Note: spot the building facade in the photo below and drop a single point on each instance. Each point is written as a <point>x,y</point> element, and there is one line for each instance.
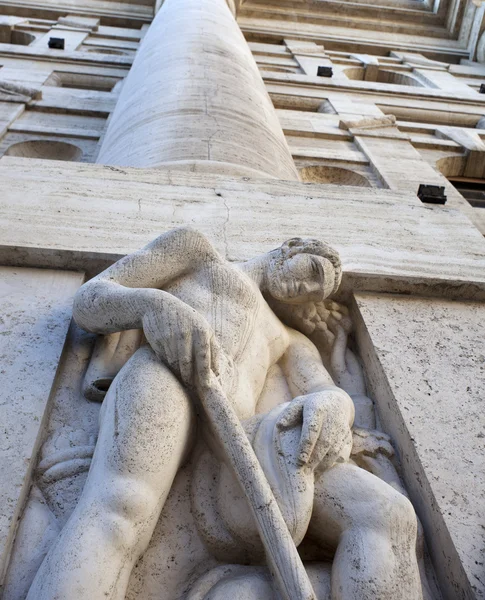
<point>253,121</point>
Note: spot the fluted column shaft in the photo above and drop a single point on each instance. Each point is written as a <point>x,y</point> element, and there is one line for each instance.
<point>194,96</point>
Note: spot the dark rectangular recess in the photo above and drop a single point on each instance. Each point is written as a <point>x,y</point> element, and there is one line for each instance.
<point>432,194</point>
<point>57,43</point>
<point>324,71</point>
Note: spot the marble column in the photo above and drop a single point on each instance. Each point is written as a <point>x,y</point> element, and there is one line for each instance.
<point>194,99</point>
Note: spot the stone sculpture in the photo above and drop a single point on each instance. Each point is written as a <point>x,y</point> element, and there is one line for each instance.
<point>218,330</point>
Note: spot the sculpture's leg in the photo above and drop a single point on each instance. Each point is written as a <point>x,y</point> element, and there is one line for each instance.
<point>146,430</point>
<point>373,528</point>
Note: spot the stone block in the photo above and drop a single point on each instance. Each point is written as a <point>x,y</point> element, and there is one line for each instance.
<point>35,308</point>
<point>103,213</point>
<point>425,362</point>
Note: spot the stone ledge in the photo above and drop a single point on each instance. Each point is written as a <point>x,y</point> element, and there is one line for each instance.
<point>83,216</point>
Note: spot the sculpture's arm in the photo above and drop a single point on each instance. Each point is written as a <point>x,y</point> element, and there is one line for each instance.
<point>306,373</point>
<point>324,411</point>
<point>119,298</point>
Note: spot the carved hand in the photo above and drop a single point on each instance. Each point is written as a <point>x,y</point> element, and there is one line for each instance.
<point>326,436</point>
<point>183,340</point>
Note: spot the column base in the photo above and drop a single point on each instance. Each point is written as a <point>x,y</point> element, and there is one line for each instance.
<point>213,167</point>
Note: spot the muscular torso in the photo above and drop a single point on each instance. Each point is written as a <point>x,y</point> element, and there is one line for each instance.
<point>250,334</point>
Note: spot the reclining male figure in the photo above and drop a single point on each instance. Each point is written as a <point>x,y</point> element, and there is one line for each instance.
<point>200,312</point>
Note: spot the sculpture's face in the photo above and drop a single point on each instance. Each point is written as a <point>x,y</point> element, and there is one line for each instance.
<point>301,277</point>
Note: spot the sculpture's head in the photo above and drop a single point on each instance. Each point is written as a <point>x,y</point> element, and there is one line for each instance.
<point>303,270</point>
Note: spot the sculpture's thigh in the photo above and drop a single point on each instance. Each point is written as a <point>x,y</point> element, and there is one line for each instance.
<point>146,427</point>
<point>348,497</point>
<point>146,430</point>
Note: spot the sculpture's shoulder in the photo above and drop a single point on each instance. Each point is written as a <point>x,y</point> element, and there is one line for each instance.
<point>188,237</point>
<point>302,364</point>
<point>188,232</point>
<point>299,344</point>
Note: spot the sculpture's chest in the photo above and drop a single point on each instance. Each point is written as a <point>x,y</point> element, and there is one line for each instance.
<point>227,298</point>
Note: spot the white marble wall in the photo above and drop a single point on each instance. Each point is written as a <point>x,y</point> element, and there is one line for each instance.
<point>425,362</point>
<point>35,309</point>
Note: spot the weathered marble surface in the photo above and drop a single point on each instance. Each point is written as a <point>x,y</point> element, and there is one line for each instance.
<point>425,361</point>
<point>35,308</point>
<point>266,400</point>
<point>388,241</point>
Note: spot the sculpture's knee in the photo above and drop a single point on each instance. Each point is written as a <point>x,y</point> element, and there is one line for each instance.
<point>253,586</point>
<point>126,512</point>
<point>393,514</point>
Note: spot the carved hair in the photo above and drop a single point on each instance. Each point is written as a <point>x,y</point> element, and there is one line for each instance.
<point>309,318</point>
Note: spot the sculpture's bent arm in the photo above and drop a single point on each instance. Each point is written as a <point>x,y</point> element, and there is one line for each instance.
<point>118,298</point>
<point>324,411</point>
<point>305,372</point>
